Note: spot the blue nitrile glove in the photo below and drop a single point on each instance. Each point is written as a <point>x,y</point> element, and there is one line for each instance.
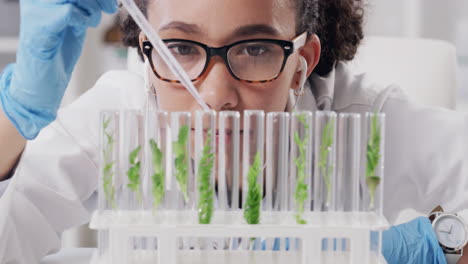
<point>51,38</point>
<point>412,242</point>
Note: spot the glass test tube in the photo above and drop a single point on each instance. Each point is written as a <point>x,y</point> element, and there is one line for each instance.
<point>157,153</point>
<point>372,175</point>
<point>109,124</point>
<point>205,148</point>
<point>252,168</point>
<point>252,159</point>
<point>228,161</point>
<point>300,197</point>
<point>181,183</point>
<point>229,167</point>
<point>347,162</point>
<point>324,161</point>
<point>276,182</point>
<point>276,177</point>
<point>131,159</point>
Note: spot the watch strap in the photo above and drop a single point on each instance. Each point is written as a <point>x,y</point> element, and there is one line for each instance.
<point>464,215</point>
<point>432,214</point>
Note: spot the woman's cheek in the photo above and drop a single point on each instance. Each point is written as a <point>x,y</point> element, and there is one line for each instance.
<point>173,99</point>
<point>271,97</point>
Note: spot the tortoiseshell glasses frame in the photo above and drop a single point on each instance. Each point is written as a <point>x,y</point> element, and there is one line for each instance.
<point>287,47</point>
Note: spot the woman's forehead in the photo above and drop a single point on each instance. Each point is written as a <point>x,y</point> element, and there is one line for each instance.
<point>223,20</point>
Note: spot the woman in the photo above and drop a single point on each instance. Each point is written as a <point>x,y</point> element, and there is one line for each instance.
<point>57,175</point>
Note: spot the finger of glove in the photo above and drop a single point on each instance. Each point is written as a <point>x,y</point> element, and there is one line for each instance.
<point>42,36</point>
<point>91,9</point>
<point>77,19</point>
<point>108,6</point>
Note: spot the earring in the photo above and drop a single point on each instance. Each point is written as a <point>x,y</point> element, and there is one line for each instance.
<point>300,91</point>
<point>303,79</point>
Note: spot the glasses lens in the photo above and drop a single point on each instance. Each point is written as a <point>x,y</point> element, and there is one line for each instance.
<point>191,57</point>
<point>256,61</point>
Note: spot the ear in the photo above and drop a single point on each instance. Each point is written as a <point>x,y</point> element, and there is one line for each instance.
<point>311,52</point>
<point>309,56</point>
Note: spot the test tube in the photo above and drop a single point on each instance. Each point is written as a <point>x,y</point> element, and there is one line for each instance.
<point>205,149</point>
<point>348,162</point>
<point>157,139</point>
<point>324,161</point>
<point>182,182</point>
<point>205,143</point>
<point>347,177</point>
<point>276,180</point>
<point>252,166</point>
<point>109,124</point>
<point>109,127</point>
<point>302,124</point>
<point>228,161</point>
<point>252,161</point>
<point>372,175</point>
<point>277,146</point>
<point>228,167</point>
<point>131,159</point>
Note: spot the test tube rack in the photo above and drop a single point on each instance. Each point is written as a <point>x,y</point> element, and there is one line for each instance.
<point>302,187</point>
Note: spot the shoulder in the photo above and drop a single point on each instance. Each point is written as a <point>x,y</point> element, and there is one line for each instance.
<point>114,88</point>
<point>112,91</point>
<point>356,91</point>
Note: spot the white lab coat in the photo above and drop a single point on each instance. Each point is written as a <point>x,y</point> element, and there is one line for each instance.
<point>426,157</point>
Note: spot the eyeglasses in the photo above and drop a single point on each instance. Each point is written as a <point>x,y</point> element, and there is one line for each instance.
<point>250,61</point>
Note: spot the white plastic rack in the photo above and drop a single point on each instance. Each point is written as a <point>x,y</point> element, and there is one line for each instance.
<point>301,187</point>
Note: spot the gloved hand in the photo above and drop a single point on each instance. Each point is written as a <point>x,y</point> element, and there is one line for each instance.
<point>412,242</point>
<point>51,39</point>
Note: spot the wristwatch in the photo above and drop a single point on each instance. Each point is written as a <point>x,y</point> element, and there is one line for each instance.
<point>451,230</point>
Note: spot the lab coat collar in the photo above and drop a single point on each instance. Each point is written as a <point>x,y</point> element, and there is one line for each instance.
<point>318,93</point>
<point>323,88</point>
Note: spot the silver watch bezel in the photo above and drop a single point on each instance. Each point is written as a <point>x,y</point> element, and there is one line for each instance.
<point>442,215</point>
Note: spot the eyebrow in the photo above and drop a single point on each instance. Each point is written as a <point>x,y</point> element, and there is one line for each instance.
<point>181,26</point>
<point>249,30</point>
<point>243,31</point>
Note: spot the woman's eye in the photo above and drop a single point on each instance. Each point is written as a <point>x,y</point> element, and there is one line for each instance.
<point>183,49</point>
<point>255,50</point>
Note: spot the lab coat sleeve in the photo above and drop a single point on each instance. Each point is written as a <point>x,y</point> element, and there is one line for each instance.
<point>57,172</point>
<point>426,157</point>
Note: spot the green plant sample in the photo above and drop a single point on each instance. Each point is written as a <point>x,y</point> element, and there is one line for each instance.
<point>326,169</point>
<point>181,160</point>
<point>301,192</point>
<point>254,196</point>
<point>158,174</point>
<point>373,158</point>
<point>205,168</point>
<point>134,172</point>
<point>107,171</point>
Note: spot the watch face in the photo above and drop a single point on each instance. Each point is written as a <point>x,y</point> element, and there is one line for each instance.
<point>450,231</point>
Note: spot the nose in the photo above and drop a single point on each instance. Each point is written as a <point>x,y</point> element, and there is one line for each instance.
<point>218,88</point>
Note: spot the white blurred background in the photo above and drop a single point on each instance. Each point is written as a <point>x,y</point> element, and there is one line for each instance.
<point>434,19</point>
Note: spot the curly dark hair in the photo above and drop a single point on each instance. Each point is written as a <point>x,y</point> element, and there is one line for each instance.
<point>337,23</point>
